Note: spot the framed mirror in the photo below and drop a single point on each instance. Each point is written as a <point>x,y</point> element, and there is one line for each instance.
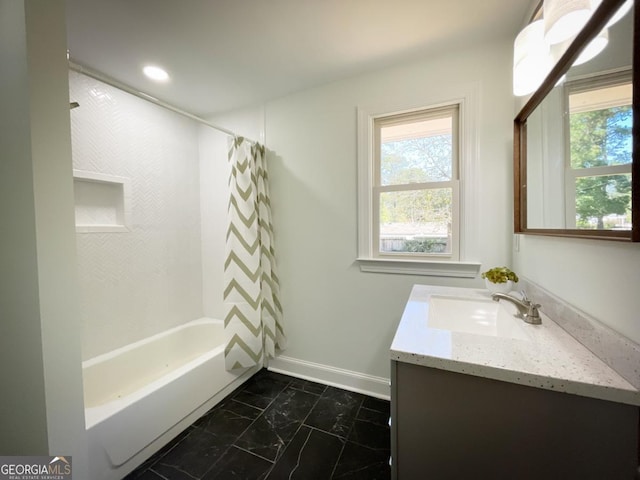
<point>576,138</point>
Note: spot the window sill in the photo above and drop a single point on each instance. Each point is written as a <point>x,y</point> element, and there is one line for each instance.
<point>430,268</point>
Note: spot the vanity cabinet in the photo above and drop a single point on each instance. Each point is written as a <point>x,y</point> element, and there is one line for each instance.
<point>450,425</point>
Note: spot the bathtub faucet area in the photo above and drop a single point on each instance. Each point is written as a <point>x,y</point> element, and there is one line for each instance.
<point>527,310</point>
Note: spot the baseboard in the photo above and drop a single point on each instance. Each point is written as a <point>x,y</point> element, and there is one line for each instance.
<point>336,377</point>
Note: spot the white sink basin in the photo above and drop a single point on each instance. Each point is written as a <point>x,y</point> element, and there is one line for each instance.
<point>478,316</point>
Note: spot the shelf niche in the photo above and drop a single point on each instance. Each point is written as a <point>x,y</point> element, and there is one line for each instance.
<point>102,202</point>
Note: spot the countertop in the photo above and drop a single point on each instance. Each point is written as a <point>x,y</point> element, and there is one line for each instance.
<point>546,357</point>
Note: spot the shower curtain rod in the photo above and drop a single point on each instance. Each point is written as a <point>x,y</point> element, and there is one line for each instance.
<point>76,67</point>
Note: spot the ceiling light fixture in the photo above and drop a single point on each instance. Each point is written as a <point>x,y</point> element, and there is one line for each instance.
<point>563,19</point>
<point>622,11</point>
<point>541,43</point>
<point>595,46</point>
<point>156,73</point>
<point>531,59</point>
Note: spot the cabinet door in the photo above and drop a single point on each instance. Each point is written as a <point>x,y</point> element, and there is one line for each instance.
<point>451,426</point>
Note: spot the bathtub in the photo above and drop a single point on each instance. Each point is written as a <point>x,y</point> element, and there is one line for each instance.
<point>140,396</point>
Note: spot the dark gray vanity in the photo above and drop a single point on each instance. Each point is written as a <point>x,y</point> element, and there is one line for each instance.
<point>513,401</point>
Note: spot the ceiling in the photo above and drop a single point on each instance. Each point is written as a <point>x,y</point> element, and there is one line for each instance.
<point>227,54</point>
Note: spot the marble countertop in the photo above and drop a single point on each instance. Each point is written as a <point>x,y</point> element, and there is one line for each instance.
<point>545,356</point>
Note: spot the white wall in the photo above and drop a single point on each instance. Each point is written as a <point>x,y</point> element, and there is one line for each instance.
<point>598,277</point>
<point>334,314</point>
<point>141,282</point>
<point>41,409</point>
<point>214,177</point>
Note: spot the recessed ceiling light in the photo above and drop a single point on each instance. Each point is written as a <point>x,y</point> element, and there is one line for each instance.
<point>156,73</point>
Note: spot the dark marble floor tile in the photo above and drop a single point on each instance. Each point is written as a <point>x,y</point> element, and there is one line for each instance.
<point>293,403</point>
<point>362,463</point>
<point>267,438</point>
<point>257,401</point>
<point>241,409</point>
<point>377,404</point>
<point>142,469</point>
<point>307,386</point>
<point>148,475</point>
<point>227,425</point>
<point>266,384</point>
<point>237,464</point>
<point>335,411</point>
<point>311,455</point>
<point>373,416</point>
<point>269,434</point>
<point>341,395</point>
<point>281,377</point>
<point>194,455</point>
<point>171,472</point>
<point>370,435</point>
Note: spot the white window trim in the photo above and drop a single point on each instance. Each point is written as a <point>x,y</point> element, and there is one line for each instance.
<point>467,164</point>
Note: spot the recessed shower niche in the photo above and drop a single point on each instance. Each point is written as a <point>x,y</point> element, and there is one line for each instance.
<point>102,202</point>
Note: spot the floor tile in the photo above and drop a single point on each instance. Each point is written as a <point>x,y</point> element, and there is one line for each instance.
<point>377,404</point>
<point>370,435</point>
<point>240,408</point>
<point>266,384</point>
<point>248,398</point>
<point>195,455</point>
<point>335,411</point>
<point>294,403</point>
<point>140,472</point>
<point>373,416</point>
<point>308,429</point>
<point>170,472</point>
<point>307,386</point>
<point>311,455</point>
<point>148,475</point>
<point>268,438</point>
<point>227,425</point>
<point>237,464</point>
<point>361,463</point>
<point>269,434</point>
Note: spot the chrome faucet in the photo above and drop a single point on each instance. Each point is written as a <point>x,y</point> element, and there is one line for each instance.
<point>527,310</point>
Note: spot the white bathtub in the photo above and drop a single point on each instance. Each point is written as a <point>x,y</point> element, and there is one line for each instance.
<point>138,397</point>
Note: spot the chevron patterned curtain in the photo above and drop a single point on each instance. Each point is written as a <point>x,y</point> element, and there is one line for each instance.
<point>253,315</point>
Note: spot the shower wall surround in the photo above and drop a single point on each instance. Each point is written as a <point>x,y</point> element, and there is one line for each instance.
<point>142,281</point>
<point>214,199</point>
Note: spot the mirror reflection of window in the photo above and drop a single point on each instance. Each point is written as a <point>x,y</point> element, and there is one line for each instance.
<point>599,152</point>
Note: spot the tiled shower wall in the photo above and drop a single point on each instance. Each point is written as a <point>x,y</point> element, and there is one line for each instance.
<point>140,282</point>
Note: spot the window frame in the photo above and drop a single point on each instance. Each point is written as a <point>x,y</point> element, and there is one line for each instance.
<point>378,189</point>
<point>580,85</point>
<point>467,226</point>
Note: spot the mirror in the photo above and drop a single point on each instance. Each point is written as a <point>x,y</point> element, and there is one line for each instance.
<point>573,144</point>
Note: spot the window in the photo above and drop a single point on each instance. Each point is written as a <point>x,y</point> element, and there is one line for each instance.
<point>409,191</point>
<point>415,190</point>
<point>598,180</point>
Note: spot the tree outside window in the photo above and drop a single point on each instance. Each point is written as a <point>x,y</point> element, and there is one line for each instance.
<point>600,147</point>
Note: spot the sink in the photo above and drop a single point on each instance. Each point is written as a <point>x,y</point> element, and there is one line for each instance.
<point>478,316</point>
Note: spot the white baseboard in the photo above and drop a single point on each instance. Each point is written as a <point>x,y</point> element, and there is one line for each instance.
<point>336,377</point>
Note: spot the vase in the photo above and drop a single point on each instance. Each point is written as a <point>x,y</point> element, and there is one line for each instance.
<point>498,287</point>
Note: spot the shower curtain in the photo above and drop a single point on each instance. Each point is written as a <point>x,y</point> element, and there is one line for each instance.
<point>253,315</point>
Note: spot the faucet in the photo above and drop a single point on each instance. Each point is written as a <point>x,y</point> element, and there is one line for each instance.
<point>527,310</point>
